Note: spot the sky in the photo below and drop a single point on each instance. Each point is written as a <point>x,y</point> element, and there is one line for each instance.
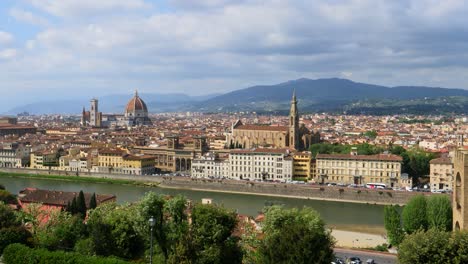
<point>70,49</point>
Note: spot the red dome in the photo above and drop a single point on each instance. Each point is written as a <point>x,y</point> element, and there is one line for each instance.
<point>136,104</point>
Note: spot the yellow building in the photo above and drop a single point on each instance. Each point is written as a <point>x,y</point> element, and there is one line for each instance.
<point>359,169</point>
<point>302,162</point>
<point>177,155</point>
<point>44,160</point>
<point>138,165</point>
<point>110,160</point>
<point>441,174</point>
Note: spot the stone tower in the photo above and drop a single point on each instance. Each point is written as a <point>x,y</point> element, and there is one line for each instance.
<point>294,123</point>
<point>460,192</point>
<point>94,117</point>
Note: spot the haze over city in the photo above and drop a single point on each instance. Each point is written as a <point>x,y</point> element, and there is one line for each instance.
<point>55,49</point>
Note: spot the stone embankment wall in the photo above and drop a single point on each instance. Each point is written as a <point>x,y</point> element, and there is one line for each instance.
<point>303,191</point>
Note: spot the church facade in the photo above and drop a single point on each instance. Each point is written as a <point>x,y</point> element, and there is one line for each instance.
<point>295,136</point>
<point>135,114</point>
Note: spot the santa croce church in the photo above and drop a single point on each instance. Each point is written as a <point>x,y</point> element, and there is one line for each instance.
<point>294,136</point>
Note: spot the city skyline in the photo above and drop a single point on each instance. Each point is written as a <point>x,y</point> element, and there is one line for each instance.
<point>53,49</point>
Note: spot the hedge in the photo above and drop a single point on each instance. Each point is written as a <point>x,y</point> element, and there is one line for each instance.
<point>19,254</point>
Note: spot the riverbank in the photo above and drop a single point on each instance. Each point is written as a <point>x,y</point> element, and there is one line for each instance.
<point>70,178</point>
<point>351,239</point>
<point>295,191</point>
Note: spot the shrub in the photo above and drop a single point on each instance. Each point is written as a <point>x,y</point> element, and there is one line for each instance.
<point>18,254</point>
<point>12,235</point>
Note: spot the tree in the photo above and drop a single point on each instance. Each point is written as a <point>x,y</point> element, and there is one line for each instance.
<point>7,217</point>
<point>114,231</point>
<point>152,205</point>
<point>11,235</point>
<point>92,202</point>
<point>7,197</point>
<point>371,134</point>
<point>414,214</point>
<point>61,231</point>
<point>81,204</point>
<point>392,222</point>
<point>211,234</point>
<point>425,248</point>
<point>439,213</point>
<point>295,236</point>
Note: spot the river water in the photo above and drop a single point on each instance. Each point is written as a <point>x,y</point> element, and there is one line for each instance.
<point>347,216</point>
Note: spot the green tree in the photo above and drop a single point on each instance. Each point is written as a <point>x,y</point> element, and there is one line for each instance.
<point>81,204</point>
<point>425,248</point>
<point>61,231</point>
<point>7,197</point>
<point>295,236</point>
<point>152,205</point>
<point>113,230</point>
<point>7,216</point>
<point>392,221</point>
<point>92,201</point>
<point>14,234</point>
<point>439,213</point>
<point>414,214</point>
<point>371,134</point>
<point>211,234</point>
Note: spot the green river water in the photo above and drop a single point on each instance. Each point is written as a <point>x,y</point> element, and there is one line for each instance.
<point>340,215</point>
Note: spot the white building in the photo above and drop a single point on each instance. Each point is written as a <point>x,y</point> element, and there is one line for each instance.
<point>210,166</point>
<point>261,164</point>
<point>252,164</point>
<point>14,155</point>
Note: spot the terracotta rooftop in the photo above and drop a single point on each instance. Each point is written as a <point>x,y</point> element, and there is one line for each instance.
<point>382,157</point>
<point>263,128</point>
<point>58,198</point>
<point>441,161</point>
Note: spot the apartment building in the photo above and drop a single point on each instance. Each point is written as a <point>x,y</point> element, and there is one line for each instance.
<point>302,163</point>
<point>210,165</point>
<point>359,169</point>
<point>13,155</point>
<point>261,164</point>
<point>441,174</point>
<point>243,164</point>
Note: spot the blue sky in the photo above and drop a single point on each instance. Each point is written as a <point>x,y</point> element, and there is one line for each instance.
<point>53,49</point>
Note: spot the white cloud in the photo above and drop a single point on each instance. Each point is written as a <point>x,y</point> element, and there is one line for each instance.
<point>5,37</point>
<point>7,54</point>
<point>78,8</point>
<point>239,43</point>
<point>28,17</point>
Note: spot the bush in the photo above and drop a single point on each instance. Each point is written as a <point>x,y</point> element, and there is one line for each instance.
<point>12,235</point>
<point>19,254</point>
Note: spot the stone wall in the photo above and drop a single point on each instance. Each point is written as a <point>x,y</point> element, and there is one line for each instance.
<point>304,191</point>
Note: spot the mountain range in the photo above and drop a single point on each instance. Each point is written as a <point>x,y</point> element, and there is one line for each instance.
<point>320,95</point>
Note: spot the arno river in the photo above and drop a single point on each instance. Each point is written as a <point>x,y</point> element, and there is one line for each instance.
<point>346,216</point>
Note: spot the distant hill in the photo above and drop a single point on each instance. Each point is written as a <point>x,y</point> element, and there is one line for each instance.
<point>114,103</point>
<point>325,95</point>
<point>320,95</point>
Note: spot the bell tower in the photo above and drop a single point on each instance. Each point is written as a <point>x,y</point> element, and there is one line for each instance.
<point>294,123</point>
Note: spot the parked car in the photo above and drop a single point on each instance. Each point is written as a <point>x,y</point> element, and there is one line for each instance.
<point>338,261</point>
<point>370,261</point>
<point>353,260</point>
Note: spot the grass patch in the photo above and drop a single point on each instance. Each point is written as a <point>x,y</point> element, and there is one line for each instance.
<point>71,178</point>
<point>381,248</point>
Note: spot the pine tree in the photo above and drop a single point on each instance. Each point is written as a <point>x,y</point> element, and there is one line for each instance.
<point>73,206</point>
<point>81,204</point>
<point>92,202</point>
